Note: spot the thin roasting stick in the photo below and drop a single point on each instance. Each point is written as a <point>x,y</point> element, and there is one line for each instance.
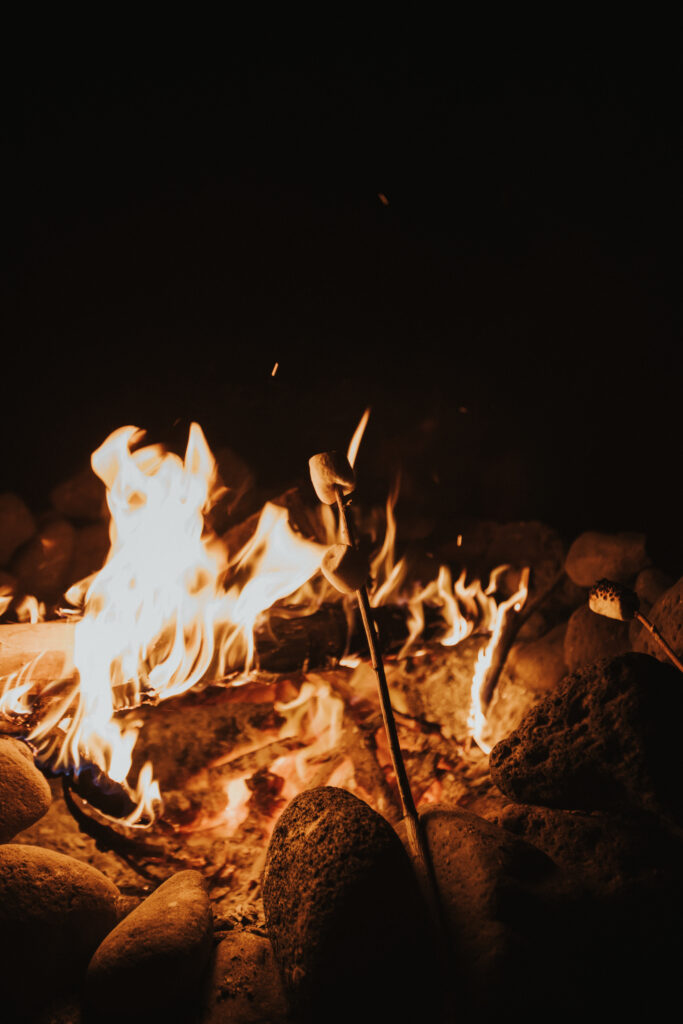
<point>334,480</point>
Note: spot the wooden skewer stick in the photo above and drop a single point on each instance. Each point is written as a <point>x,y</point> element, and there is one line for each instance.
<point>405,793</point>
<point>416,839</point>
<point>657,636</point>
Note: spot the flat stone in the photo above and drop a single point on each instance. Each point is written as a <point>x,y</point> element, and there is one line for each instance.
<point>244,985</point>
<point>344,913</point>
<point>605,739</point>
<point>590,637</point>
<point>667,615</point>
<point>54,912</point>
<point>614,556</point>
<point>24,793</point>
<point>17,525</point>
<point>153,960</point>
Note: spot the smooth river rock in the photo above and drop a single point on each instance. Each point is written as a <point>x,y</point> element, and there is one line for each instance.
<point>590,637</point>
<point>54,912</point>
<point>616,556</point>
<point>151,964</point>
<point>24,793</point>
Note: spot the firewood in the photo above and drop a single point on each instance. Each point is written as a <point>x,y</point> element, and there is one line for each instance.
<point>50,642</point>
<point>285,642</point>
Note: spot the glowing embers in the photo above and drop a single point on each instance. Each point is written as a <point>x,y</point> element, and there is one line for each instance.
<point>301,746</point>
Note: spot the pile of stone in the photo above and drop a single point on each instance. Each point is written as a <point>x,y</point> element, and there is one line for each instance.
<point>568,899</point>
<point>75,950</point>
<point>559,634</point>
<point>571,900</point>
<point>42,556</point>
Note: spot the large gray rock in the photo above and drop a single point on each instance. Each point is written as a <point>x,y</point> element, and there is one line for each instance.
<point>17,525</point>
<point>616,556</point>
<point>24,793</point>
<point>667,615</point>
<point>590,637</point>
<point>606,738</point>
<point>54,912</point>
<point>344,913</point>
<point>151,964</point>
<point>244,985</point>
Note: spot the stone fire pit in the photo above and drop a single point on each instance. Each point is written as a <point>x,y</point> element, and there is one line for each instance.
<point>557,861</point>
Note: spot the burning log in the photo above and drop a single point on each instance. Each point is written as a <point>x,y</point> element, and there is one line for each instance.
<point>47,646</point>
<point>286,642</point>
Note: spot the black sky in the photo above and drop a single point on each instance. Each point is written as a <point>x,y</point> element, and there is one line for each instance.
<point>184,226</point>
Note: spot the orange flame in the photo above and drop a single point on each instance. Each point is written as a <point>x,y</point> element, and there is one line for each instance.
<point>157,614</point>
<point>354,444</point>
<point>160,613</point>
<point>477,714</point>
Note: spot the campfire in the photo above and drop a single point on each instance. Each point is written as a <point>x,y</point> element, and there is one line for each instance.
<point>222,680</point>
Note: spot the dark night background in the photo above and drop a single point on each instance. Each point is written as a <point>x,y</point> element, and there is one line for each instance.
<point>183,227</point>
